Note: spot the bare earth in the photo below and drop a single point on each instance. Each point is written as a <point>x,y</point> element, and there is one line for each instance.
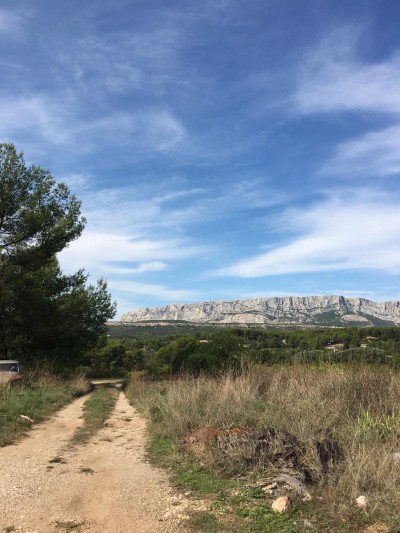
<point>104,486</point>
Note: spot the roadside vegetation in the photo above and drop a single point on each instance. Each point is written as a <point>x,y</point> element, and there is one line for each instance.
<point>35,399</point>
<point>96,412</point>
<point>353,410</point>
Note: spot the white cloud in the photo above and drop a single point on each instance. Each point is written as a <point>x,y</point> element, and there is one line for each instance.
<point>102,253</point>
<point>143,60</point>
<point>154,266</point>
<point>76,182</point>
<point>142,268</point>
<point>179,194</point>
<point>139,130</point>
<point>373,154</point>
<point>171,204</point>
<point>134,288</point>
<point>11,24</point>
<point>349,230</point>
<point>140,230</point>
<point>60,121</point>
<point>333,78</point>
<point>22,115</point>
<point>162,129</point>
<point>220,203</point>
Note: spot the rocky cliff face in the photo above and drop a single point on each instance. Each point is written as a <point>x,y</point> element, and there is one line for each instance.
<point>286,311</point>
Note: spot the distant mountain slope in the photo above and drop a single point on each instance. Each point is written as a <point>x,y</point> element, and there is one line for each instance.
<point>291,311</point>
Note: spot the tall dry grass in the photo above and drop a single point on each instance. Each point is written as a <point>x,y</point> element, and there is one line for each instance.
<point>356,407</point>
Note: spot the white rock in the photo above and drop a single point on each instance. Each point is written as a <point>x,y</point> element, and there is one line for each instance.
<point>269,488</point>
<point>27,418</point>
<point>362,501</point>
<point>281,504</point>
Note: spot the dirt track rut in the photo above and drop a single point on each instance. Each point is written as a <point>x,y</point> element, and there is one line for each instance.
<point>104,486</point>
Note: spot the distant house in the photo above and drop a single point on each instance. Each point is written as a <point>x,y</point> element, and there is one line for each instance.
<point>335,347</point>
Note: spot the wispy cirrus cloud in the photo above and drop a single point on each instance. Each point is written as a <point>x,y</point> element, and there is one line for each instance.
<point>333,77</point>
<point>58,122</point>
<point>145,62</point>
<point>122,253</point>
<point>77,182</point>
<point>374,154</point>
<point>220,203</point>
<point>12,23</point>
<point>104,90</point>
<point>154,266</point>
<point>347,230</point>
<point>22,115</point>
<point>149,289</point>
<point>173,205</point>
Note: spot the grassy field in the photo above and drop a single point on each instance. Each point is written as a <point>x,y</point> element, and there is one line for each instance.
<point>39,396</point>
<point>354,411</point>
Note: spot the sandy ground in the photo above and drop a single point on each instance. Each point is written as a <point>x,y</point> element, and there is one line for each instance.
<point>104,486</point>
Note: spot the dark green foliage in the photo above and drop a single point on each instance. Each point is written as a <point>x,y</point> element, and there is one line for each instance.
<point>54,316</point>
<point>199,362</point>
<point>132,331</point>
<point>38,217</point>
<point>176,354</point>
<point>108,361</point>
<point>44,314</point>
<point>233,349</point>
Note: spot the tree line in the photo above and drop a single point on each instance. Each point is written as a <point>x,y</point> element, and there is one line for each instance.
<point>234,349</point>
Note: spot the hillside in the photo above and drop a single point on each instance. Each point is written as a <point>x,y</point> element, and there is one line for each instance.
<point>291,311</point>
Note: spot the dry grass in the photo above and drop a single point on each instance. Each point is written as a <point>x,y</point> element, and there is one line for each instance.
<point>356,407</point>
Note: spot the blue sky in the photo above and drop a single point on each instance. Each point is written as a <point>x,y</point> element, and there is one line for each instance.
<point>221,149</point>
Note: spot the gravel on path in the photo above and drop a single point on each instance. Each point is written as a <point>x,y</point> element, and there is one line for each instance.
<point>106,486</point>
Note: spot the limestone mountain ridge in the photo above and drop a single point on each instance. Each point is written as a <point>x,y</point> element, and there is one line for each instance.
<point>291,311</point>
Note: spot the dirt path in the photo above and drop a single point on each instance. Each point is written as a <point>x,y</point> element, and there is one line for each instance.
<point>104,486</point>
